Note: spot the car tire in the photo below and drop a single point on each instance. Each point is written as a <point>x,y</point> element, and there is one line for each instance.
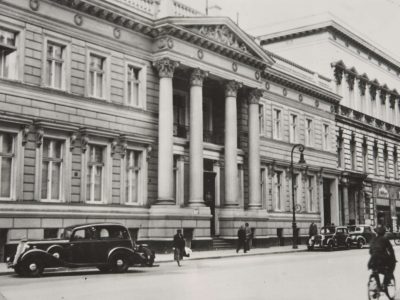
<point>330,246</point>
<point>32,267</point>
<point>119,263</point>
<point>56,252</point>
<point>360,243</point>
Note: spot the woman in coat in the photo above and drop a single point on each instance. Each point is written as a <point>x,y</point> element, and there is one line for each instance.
<point>178,246</point>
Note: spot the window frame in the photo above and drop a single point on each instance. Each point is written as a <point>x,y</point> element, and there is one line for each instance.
<point>326,128</point>
<point>142,192</point>
<point>278,201</point>
<point>311,193</point>
<point>15,163</point>
<point>309,132</point>
<point>106,172</point>
<point>106,56</point>
<point>19,30</point>
<point>277,123</point>
<point>51,37</point>
<point>142,88</point>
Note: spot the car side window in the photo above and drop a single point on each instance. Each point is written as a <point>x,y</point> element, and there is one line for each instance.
<point>104,234</point>
<point>83,234</point>
<point>118,233</point>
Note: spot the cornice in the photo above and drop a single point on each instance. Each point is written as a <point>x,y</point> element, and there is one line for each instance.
<point>301,85</point>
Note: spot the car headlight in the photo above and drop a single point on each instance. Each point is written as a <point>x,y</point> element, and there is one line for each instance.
<point>353,237</point>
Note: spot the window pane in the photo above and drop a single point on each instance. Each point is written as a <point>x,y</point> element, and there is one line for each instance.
<point>99,85</point>
<point>92,84</point>
<point>97,183</point>
<point>6,177</point>
<point>7,37</point>
<point>88,183</point>
<point>57,75</point>
<point>98,154</point>
<point>49,72</point>
<point>57,149</point>
<point>55,181</point>
<point>7,145</point>
<point>45,178</point>
<point>46,146</point>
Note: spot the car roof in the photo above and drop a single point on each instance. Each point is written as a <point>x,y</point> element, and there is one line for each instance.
<point>94,224</point>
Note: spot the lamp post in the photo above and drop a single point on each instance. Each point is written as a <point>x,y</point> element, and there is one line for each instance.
<point>301,161</point>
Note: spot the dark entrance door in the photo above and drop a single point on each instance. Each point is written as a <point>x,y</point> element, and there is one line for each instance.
<point>327,201</point>
<point>209,196</point>
<point>383,216</point>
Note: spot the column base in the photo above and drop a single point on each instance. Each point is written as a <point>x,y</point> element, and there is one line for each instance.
<point>254,207</point>
<point>196,204</point>
<point>165,202</point>
<point>233,205</point>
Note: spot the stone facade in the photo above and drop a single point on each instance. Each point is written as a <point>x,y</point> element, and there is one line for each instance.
<point>188,123</point>
<point>367,118</point>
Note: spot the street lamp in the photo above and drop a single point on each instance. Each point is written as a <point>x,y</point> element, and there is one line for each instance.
<point>301,161</point>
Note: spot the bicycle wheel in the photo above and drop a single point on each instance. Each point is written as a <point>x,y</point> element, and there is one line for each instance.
<point>373,292</point>
<point>390,288</point>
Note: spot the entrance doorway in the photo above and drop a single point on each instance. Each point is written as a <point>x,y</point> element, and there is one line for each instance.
<point>384,216</point>
<point>327,201</point>
<point>209,197</point>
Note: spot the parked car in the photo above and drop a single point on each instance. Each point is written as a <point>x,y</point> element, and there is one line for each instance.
<point>361,235</point>
<point>107,246</point>
<point>330,237</point>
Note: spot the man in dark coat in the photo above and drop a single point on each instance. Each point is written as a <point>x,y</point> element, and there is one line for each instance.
<point>241,239</point>
<point>179,246</point>
<point>313,230</point>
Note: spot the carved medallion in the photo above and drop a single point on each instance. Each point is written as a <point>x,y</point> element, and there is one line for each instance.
<point>234,67</point>
<point>316,103</point>
<point>117,33</point>
<point>284,92</point>
<point>257,75</point>
<point>300,97</point>
<point>200,54</point>
<point>267,85</point>
<point>34,4</point>
<point>78,20</point>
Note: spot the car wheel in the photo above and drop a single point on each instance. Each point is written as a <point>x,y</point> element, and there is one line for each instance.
<point>360,243</point>
<point>330,246</point>
<point>32,267</point>
<point>119,263</point>
<point>55,252</point>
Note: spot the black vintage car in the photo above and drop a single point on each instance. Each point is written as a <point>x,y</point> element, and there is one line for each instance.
<point>107,246</point>
<point>330,237</point>
<point>361,235</point>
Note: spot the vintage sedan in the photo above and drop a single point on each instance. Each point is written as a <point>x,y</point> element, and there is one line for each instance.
<point>330,237</point>
<point>361,235</point>
<point>107,246</point>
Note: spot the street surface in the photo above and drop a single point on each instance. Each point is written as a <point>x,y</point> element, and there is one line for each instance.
<point>341,274</point>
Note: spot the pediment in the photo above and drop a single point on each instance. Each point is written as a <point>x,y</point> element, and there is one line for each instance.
<point>222,32</point>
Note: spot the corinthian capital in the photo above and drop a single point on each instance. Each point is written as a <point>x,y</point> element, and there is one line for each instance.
<point>197,76</point>
<point>254,96</point>
<point>166,67</point>
<point>231,88</point>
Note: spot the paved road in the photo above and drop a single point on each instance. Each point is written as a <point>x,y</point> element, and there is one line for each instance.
<point>317,275</point>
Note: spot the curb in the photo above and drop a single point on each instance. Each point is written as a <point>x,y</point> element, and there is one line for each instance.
<point>11,271</point>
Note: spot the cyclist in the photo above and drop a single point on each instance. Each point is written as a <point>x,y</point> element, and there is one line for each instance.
<point>382,258</point>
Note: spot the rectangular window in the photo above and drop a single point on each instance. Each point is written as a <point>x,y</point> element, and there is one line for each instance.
<point>95,174</point>
<point>309,133</point>
<point>310,193</point>
<point>55,65</point>
<point>261,118</point>
<point>8,54</point>
<point>395,163</point>
<point>52,169</point>
<point>365,155</point>
<point>97,76</point>
<point>132,175</point>
<point>278,190</point>
<point>7,155</point>
<point>293,128</point>
<point>277,134</point>
<point>353,154</point>
<point>133,86</point>
<point>325,143</point>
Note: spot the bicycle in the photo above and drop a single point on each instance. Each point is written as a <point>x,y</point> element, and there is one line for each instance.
<point>389,288</point>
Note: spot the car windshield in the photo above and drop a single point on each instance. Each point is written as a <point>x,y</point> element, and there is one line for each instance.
<point>66,233</point>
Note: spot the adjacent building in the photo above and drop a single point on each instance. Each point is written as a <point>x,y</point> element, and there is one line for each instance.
<point>150,114</point>
<point>367,117</point>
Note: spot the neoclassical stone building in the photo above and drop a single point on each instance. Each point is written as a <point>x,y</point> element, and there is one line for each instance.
<point>126,111</point>
<point>368,119</point>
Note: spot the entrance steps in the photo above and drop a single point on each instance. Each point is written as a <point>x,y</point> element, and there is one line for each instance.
<point>218,243</point>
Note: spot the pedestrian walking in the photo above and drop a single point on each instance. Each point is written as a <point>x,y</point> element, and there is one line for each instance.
<point>312,230</point>
<point>178,246</point>
<point>249,236</point>
<point>241,239</point>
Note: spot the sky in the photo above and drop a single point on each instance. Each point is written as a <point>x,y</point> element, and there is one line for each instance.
<point>376,20</point>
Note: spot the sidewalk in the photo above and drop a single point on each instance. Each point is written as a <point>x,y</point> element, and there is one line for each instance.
<point>210,254</point>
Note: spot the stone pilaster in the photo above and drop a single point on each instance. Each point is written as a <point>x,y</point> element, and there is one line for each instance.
<point>230,150</point>
<point>166,68</point>
<point>196,197</point>
<point>345,191</point>
<point>254,149</point>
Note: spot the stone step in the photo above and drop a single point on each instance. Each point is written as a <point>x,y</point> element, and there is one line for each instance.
<point>221,244</point>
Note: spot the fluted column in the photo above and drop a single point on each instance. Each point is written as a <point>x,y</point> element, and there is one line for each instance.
<point>166,68</point>
<point>254,149</point>
<point>196,197</point>
<point>230,151</point>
